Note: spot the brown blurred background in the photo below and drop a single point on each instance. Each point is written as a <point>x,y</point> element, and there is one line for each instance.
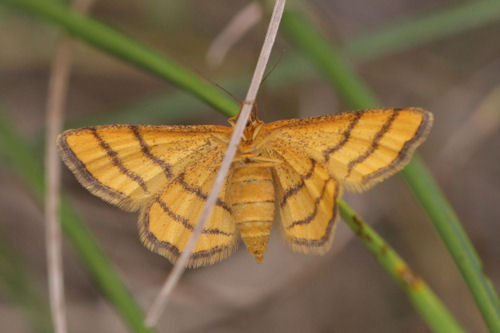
<point>457,78</point>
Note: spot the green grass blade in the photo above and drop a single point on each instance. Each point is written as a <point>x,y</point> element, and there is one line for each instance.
<point>18,286</point>
<point>436,25</point>
<point>425,301</point>
<point>153,110</point>
<point>174,107</point>
<point>22,159</point>
<point>325,57</point>
<point>356,93</point>
<point>126,48</point>
<point>456,240</point>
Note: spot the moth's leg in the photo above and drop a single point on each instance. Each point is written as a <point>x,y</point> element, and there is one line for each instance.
<point>265,161</point>
<point>256,161</point>
<point>221,139</point>
<point>256,131</point>
<point>266,164</point>
<point>232,120</point>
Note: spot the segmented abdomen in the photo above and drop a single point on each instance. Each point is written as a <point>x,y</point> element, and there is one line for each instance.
<point>252,204</point>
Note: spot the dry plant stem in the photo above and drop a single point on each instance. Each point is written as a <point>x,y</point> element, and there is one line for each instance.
<point>56,98</point>
<point>55,102</point>
<point>234,31</point>
<point>162,298</point>
<point>483,122</point>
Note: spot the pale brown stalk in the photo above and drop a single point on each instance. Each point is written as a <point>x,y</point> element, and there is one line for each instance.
<point>56,97</point>
<point>239,25</point>
<point>161,300</point>
<point>483,122</point>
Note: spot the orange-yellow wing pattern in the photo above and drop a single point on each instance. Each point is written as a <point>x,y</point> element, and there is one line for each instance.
<point>166,172</point>
<point>163,171</point>
<point>320,155</point>
<point>358,148</point>
<point>307,201</point>
<point>126,165</point>
<point>166,223</point>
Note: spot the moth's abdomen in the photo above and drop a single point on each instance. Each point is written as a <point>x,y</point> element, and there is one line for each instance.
<point>252,204</point>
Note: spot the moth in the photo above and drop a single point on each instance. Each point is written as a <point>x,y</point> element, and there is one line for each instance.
<point>299,166</point>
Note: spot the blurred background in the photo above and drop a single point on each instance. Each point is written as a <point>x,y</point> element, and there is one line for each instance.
<point>452,70</point>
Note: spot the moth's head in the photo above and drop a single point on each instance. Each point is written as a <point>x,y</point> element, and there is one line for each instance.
<point>252,127</point>
<point>251,130</point>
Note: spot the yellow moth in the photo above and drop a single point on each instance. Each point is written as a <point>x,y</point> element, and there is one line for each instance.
<point>299,166</point>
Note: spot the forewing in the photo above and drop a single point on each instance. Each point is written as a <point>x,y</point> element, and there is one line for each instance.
<point>126,164</point>
<point>307,201</point>
<point>358,148</point>
<point>167,222</point>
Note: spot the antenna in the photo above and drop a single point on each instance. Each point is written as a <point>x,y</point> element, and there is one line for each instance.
<point>204,77</point>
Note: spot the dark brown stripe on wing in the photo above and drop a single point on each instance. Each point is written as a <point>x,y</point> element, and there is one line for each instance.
<point>311,216</point>
<point>376,140</point>
<point>157,244</point>
<point>407,148</point>
<point>296,188</point>
<point>113,155</point>
<point>200,194</point>
<point>254,221</point>
<point>347,134</point>
<point>184,221</point>
<point>81,170</point>
<point>251,202</point>
<point>147,151</point>
<point>320,242</point>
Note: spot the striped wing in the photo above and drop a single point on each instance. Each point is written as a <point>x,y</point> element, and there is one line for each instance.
<point>307,201</point>
<point>167,222</point>
<point>127,165</point>
<point>357,148</point>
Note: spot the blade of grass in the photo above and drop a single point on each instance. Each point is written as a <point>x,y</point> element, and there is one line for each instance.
<point>438,24</point>
<point>396,37</point>
<point>126,48</point>
<point>173,107</point>
<point>153,110</point>
<point>18,286</point>
<point>21,158</point>
<point>434,202</point>
<point>422,297</point>
<point>356,93</point>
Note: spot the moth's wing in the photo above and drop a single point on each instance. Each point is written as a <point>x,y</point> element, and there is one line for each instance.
<point>126,164</point>
<point>358,148</point>
<point>167,222</point>
<point>307,200</point>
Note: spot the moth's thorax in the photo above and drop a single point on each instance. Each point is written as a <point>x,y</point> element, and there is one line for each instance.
<point>252,130</point>
<point>248,145</point>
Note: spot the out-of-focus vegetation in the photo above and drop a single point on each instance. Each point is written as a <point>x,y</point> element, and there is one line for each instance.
<point>450,69</point>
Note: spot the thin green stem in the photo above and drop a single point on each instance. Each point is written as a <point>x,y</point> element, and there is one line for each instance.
<point>356,93</point>
<point>126,48</point>
<point>422,297</point>
<point>454,236</point>
<point>17,284</point>
<point>438,24</point>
